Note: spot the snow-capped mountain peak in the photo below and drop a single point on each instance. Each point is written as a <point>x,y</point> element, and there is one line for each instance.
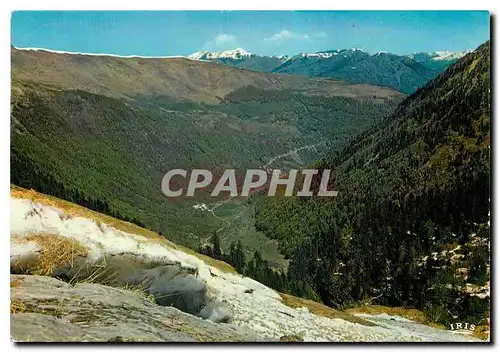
<point>439,55</point>
<point>235,54</point>
<point>330,53</point>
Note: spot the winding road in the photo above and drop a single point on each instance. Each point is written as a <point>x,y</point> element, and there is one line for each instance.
<point>291,152</point>
<point>204,207</point>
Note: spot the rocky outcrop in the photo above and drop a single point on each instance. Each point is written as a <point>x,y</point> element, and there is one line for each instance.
<point>173,285</point>
<point>77,249</point>
<point>47,309</point>
<point>168,283</point>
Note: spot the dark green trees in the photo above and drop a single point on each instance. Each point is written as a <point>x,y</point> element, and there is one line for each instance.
<point>411,190</point>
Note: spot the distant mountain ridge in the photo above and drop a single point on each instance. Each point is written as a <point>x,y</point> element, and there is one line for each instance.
<point>405,73</point>
<point>240,53</point>
<point>438,60</point>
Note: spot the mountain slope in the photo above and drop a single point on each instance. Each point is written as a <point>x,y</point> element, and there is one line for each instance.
<point>385,69</point>
<point>412,213</point>
<point>177,78</point>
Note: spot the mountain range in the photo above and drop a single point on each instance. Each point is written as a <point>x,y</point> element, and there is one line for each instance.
<point>405,73</point>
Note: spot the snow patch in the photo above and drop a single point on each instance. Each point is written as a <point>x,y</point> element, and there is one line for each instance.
<point>236,54</point>
<point>448,55</point>
<point>321,55</point>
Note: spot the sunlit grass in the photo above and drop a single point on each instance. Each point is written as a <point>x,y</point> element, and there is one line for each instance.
<point>415,315</point>
<point>481,332</point>
<point>17,307</point>
<point>322,310</point>
<point>412,314</point>
<point>55,251</point>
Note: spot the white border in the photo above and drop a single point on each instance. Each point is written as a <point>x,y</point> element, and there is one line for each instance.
<point>253,5</point>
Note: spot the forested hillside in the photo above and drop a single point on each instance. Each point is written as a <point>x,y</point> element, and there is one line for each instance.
<point>410,225</point>
<point>355,66</point>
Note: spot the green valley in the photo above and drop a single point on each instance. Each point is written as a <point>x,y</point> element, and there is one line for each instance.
<point>109,128</point>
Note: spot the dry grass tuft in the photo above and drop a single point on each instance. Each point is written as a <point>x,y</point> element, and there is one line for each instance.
<point>55,251</point>
<point>17,307</point>
<point>140,291</point>
<point>481,332</point>
<point>222,266</point>
<point>292,338</point>
<point>408,313</point>
<point>322,310</point>
<point>16,281</point>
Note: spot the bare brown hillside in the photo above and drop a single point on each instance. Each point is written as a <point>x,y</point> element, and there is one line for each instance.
<point>180,78</point>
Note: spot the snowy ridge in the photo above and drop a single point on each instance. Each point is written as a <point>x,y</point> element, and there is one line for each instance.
<point>262,310</point>
<point>320,55</point>
<point>102,54</point>
<point>439,55</point>
<point>241,54</point>
<point>329,54</point>
<point>448,55</point>
<point>235,54</point>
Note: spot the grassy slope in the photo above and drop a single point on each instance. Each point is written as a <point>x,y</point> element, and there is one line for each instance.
<point>480,332</point>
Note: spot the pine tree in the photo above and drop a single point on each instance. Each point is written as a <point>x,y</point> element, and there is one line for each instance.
<point>216,250</point>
